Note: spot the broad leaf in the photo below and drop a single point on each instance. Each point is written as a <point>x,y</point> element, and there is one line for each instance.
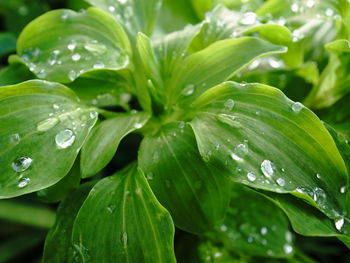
<point>42,128</point>
<point>15,73</point>
<point>58,247</point>
<point>136,16</point>
<point>137,227</point>
<point>104,140</point>
<point>195,193</point>
<point>216,63</point>
<point>62,44</point>
<point>256,226</point>
<point>241,128</point>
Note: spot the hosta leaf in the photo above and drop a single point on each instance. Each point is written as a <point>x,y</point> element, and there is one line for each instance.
<point>103,141</point>
<point>195,193</point>
<point>58,247</point>
<point>62,44</point>
<point>256,226</point>
<point>59,191</point>
<point>42,127</point>
<point>269,142</point>
<point>103,88</point>
<point>217,63</point>
<point>137,227</point>
<point>136,16</point>
<point>15,73</point>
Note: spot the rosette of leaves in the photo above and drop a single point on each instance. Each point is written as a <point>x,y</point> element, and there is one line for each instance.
<point>98,75</point>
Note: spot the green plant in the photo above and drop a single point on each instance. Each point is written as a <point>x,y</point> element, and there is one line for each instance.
<point>223,155</point>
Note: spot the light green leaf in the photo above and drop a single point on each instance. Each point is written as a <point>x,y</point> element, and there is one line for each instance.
<point>273,33</point>
<point>250,228</point>
<point>138,228</point>
<point>339,46</point>
<point>104,139</point>
<point>62,44</point>
<point>58,246</point>
<point>136,16</point>
<point>218,62</point>
<point>42,128</point>
<point>195,193</point>
<point>241,128</point>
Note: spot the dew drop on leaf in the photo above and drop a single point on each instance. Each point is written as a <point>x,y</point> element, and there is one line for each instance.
<point>281,182</point>
<point>111,8</point>
<point>229,104</point>
<point>124,239</point>
<point>64,139</point>
<point>98,65</point>
<point>287,248</point>
<point>297,107</point>
<point>267,168</point>
<point>72,75</point>
<point>23,182</point>
<point>138,125</point>
<point>93,115</point>
<point>339,223</point>
<point>342,189</point>
<point>263,231</point>
<point>248,18</point>
<point>76,57</point>
<point>251,177</point>
<point>188,90</point>
<point>15,138</point>
<point>72,45</point>
<point>47,124</point>
<point>21,164</point>
<point>65,16</point>
<point>329,12</point>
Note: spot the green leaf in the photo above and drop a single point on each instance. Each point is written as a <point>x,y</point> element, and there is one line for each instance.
<point>58,247</point>
<point>339,46</point>
<point>241,128</point>
<point>7,43</point>
<point>273,33</point>
<point>250,228</point>
<point>42,128</point>
<point>104,139</point>
<point>103,88</point>
<point>136,16</point>
<point>218,62</point>
<point>195,193</point>
<point>15,73</point>
<point>138,228</point>
<point>59,191</point>
<point>62,44</point>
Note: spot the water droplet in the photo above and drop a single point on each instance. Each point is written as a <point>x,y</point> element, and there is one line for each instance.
<point>111,208</point>
<point>123,1</point>
<point>41,74</point>
<point>111,8</point>
<point>295,7</point>
<point>251,177</point>
<point>287,248</point>
<point>72,75</point>
<point>275,63</point>
<point>138,125</point>
<point>93,114</point>
<point>150,176</point>
<point>329,12</point>
<point>318,176</point>
<point>281,182</point>
<point>288,236</point>
<point>188,90</point>
<point>217,254</point>
<point>98,65</point>
<point>310,3</point>
<point>95,48</point>
<point>229,104</point>
<point>72,45</point>
<point>339,223</point>
<point>64,15</point>
<point>64,139</point>
<point>53,58</point>
<point>297,107</point>
<point>47,124</point>
<point>182,124</point>
<point>263,231</point>
<point>76,57</point>
<point>124,239</point>
<point>15,138</point>
<point>319,196</point>
<point>55,106</point>
<point>21,164</point>
<point>342,189</point>
<point>248,18</point>
<point>267,168</point>
<point>23,182</point>
<point>223,228</point>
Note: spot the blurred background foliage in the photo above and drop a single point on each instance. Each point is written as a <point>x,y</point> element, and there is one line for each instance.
<point>313,72</point>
